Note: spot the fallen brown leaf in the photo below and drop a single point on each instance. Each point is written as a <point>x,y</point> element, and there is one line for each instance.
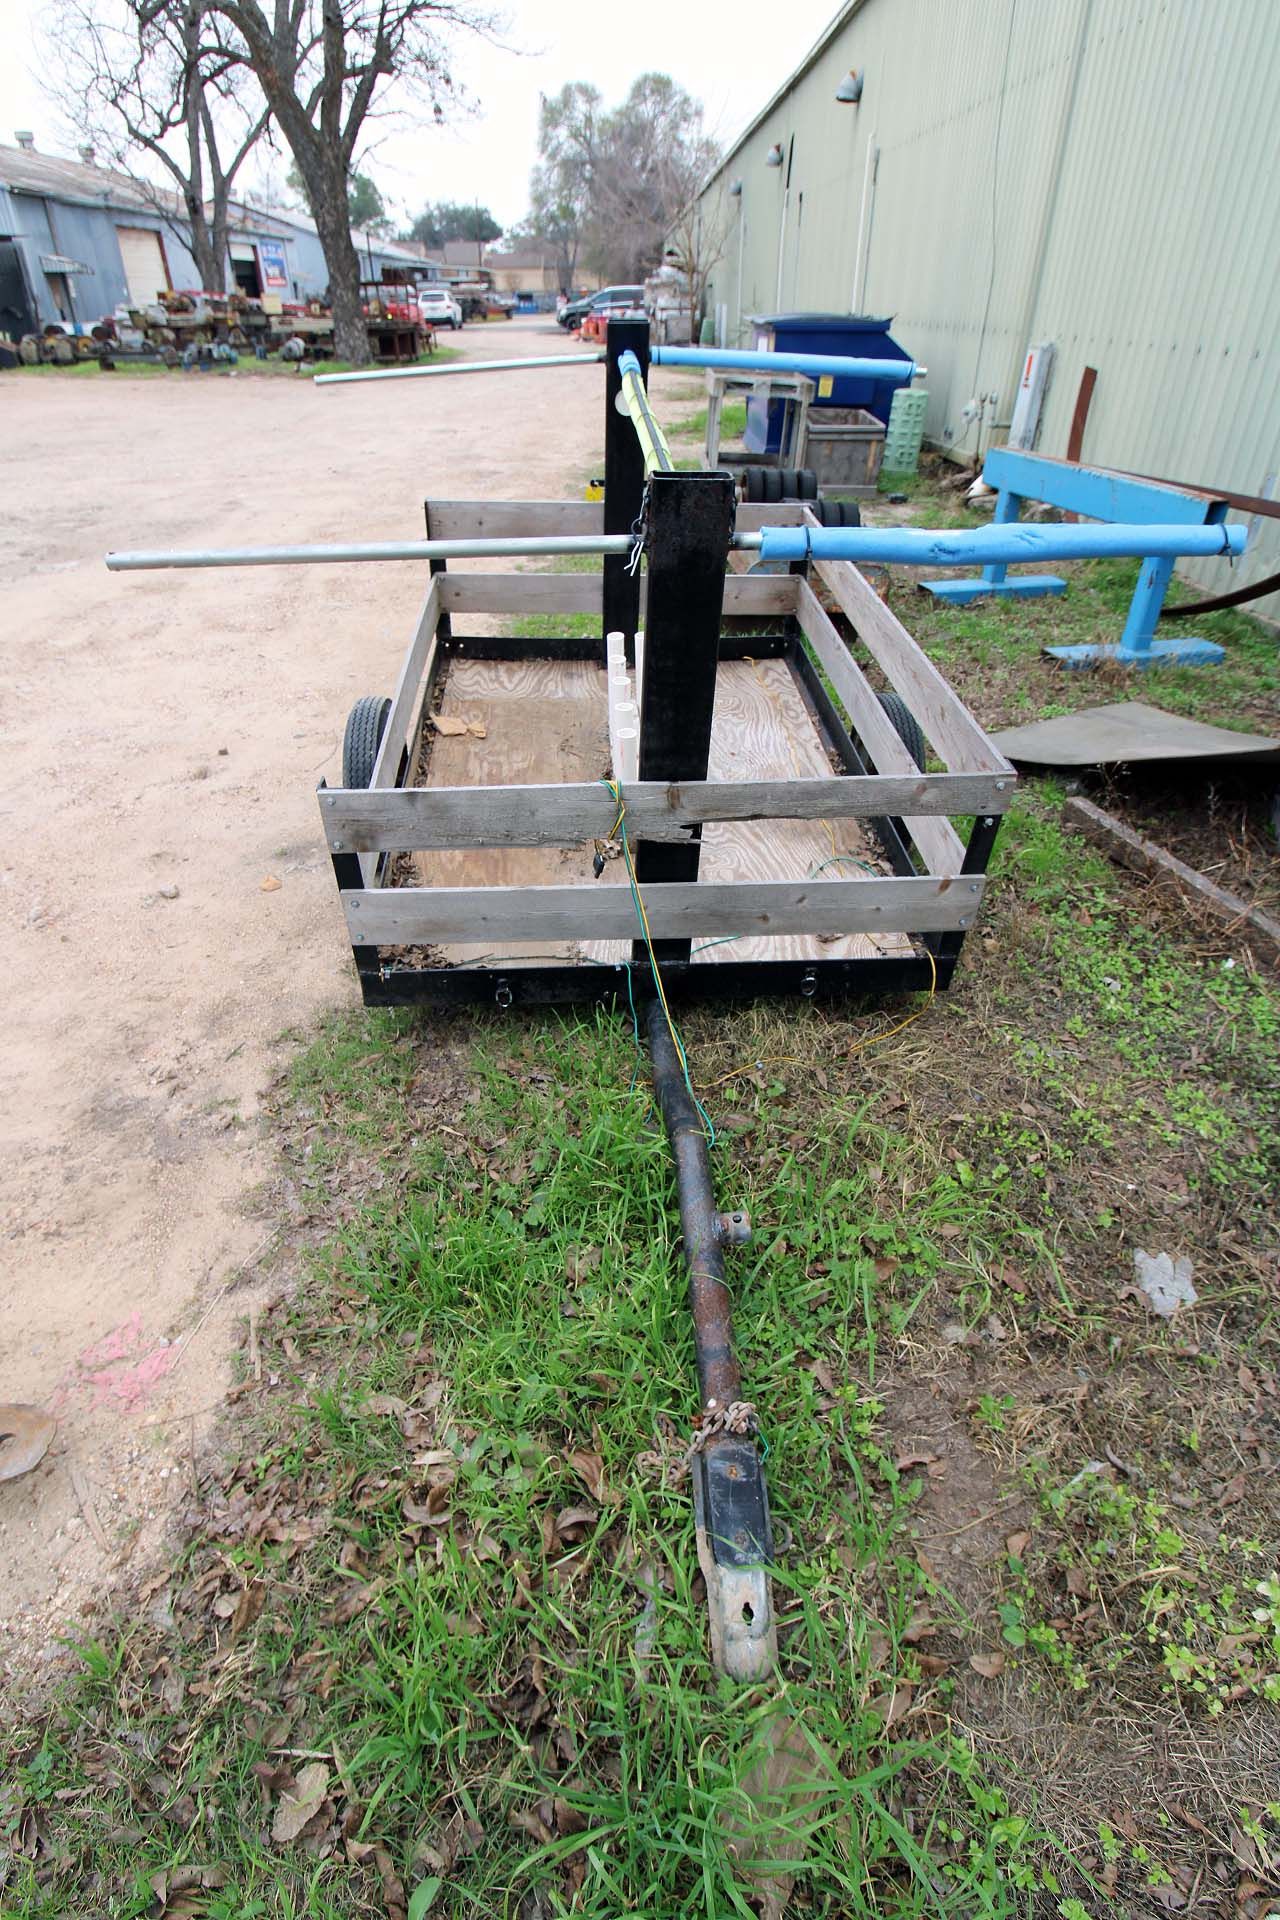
<point>296,1809</point>
<point>1016,1544</point>
<point>572,1522</point>
<point>989,1665</point>
<point>354,1602</point>
<point>589,1468</point>
<point>269,884</point>
<point>394,1898</point>
<point>890,1707</point>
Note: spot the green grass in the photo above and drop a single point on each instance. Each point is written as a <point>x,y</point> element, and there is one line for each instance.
<point>733,423</point>
<point>528,1670</point>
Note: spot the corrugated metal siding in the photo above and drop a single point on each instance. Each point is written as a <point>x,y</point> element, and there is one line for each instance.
<point>1100,173</point>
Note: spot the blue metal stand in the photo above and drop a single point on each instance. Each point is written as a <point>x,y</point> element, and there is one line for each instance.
<point>1101,496</point>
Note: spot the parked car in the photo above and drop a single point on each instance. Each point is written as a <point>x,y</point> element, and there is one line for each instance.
<point>621,299</point>
<point>439,306</point>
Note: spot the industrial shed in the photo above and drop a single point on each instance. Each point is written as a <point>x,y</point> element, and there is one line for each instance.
<point>1096,174</point>
<point>77,240</point>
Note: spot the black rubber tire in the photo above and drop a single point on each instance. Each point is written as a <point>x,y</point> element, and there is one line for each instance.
<point>829,511</point>
<point>790,481</point>
<point>366,724</point>
<point>808,480</point>
<point>753,484</point>
<point>905,725</point>
<point>850,513</point>
<point>772,486</point>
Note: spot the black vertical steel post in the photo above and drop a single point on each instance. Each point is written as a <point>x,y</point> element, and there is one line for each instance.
<point>977,855</point>
<point>623,480</point>
<point>689,526</point>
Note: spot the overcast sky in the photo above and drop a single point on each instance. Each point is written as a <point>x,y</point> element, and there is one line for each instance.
<point>732,57</point>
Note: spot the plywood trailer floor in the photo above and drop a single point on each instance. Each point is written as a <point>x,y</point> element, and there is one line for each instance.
<point>546,721</point>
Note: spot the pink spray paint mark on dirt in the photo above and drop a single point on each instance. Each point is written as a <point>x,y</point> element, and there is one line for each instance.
<point>114,1372</point>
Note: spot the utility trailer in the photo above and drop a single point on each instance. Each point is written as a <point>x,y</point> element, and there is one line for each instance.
<point>787,834</point>
<point>669,808</point>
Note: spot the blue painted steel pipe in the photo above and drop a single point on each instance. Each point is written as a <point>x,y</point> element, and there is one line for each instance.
<point>816,365</point>
<point>980,546</point>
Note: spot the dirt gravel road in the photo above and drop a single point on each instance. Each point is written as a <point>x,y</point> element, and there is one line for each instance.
<point>163,735</point>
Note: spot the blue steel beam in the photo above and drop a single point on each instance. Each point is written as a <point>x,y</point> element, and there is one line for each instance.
<point>1012,544</point>
<point>815,365</point>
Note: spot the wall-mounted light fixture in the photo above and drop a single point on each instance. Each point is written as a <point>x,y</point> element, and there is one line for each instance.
<point>774,156</point>
<point>735,189</point>
<point>849,92</point>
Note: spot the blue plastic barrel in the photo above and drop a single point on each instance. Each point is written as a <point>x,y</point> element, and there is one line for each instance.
<point>845,333</point>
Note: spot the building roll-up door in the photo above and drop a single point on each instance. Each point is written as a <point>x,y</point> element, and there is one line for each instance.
<point>145,271</point>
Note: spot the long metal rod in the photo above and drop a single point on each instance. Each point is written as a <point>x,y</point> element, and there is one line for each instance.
<point>903,546</point>
<point>719,1376</point>
<point>900,372</point>
<point>460,366</point>
<point>322,555</point>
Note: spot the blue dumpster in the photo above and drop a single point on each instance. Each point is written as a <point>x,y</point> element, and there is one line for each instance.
<point>852,334</point>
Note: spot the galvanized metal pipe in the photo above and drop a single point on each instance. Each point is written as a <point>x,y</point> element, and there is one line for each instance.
<point>324,555</point>
<point>902,546</point>
<point>460,366</point>
<point>816,365</point>
<point>1007,544</point>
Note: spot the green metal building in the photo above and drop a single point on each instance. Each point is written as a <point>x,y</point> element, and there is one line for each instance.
<point>1102,175</point>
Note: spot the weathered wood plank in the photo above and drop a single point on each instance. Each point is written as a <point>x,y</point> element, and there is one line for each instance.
<point>508,519</point>
<point>426,819</point>
<point>761,592</point>
<point>580,593</point>
<point>520,592</point>
<point>938,841</point>
<point>1132,850</point>
<point>751,516</point>
<point>407,689</point>
<point>394,916</point>
<point>956,736</point>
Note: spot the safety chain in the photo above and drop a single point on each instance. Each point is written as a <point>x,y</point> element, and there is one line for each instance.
<point>738,1417</point>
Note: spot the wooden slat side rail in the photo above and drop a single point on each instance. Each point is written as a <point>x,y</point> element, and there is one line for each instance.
<point>509,519</point>
<point>407,688</point>
<point>404,718</point>
<point>519,592</point>
<point>751,516</point>
<point>395,916</point>
<point>938,841</point>
<point>958,739</point>
<point>761,593</point>
<point>439,819</point>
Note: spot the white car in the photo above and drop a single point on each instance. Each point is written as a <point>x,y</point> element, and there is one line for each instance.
<point>439,307</point>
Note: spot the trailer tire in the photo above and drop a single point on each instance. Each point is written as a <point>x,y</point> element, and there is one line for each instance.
<point>789,480</point>
<point>905,725</point>
<point>366,724</point>
<point>772,480</point>
<point>808,483</point>
<point>754,477</point>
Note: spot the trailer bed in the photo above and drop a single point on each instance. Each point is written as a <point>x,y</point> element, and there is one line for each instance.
<point>546,721</point>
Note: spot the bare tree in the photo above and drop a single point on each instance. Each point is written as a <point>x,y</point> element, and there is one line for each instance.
<point>561,186</point>
<point>609,185</point>
<point>321,64</point>
<point>157,81</point>
<point>696,242</point>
